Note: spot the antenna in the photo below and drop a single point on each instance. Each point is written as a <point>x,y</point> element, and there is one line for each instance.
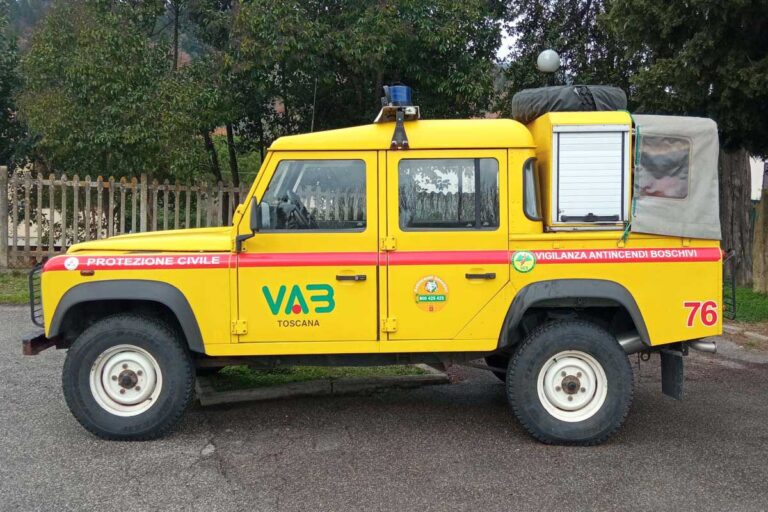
<point>314,102</point>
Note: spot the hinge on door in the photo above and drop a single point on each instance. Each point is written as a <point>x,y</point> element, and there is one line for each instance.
<point>240,327</point>
<point>388,243</point>
<point>389,324</point>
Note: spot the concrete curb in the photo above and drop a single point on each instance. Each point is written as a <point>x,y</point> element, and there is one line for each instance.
<point>727,349</point>
<point>733,329</point>
<point>209,396</point>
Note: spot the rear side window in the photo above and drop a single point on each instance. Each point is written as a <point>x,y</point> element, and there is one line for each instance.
<point>663,167</point>
<point>531,190</point>
<point>326,195</point>
<point>449,193</point>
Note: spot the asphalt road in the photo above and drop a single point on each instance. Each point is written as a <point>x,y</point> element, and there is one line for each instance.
<point>453,447</point>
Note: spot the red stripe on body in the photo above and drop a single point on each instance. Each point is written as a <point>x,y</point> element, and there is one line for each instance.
<point>308,259</point>
<point>320,259</point>
<point>448,257</point>
<point>138,262</point>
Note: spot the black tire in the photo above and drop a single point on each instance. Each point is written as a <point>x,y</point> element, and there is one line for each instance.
<point>498,361</point>
<point>537,350</point>
<point>173,361</point>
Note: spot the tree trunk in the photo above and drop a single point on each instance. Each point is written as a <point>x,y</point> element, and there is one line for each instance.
<point>232,156</point>
<point>736,210</point>
<point>233,169</point>
<point>759,263</point>
<point>176,8</point>
<point>760,240</point>
<point>214,158</point>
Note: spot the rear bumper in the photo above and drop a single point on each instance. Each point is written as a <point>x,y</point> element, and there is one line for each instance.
<point>34,343</point>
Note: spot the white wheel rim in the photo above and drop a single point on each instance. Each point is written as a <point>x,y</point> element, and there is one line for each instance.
<point>572,386</point>
<point>125,380</point>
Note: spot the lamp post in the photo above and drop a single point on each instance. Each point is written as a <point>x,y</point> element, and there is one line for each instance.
<point>548,61</point>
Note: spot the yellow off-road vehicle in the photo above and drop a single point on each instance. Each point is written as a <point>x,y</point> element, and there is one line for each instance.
<point>551,248</point>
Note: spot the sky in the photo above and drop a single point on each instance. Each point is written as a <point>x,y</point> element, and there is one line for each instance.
<point>757,177</point>
<point>506,45</point>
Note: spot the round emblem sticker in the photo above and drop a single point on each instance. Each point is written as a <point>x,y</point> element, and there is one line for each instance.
<point>71,263</point>
<point>523,261</point>
<point>431,294</point>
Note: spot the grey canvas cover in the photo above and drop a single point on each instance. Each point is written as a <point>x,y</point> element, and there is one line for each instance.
<point>675,177</point>
<point>529,104</point>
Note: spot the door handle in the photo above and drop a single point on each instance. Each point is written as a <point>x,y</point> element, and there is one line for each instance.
<point>354,277</point>
<point>487,275</point>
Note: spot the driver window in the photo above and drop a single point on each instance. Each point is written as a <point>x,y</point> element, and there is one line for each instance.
<point>324,195</point>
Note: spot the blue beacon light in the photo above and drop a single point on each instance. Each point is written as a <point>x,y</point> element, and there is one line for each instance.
<point>400,95</point>
<point>397,105</point>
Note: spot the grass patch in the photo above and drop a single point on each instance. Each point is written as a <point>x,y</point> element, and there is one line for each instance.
<point>242,377</point>
<point>751,307</point>
<point>14,287</point>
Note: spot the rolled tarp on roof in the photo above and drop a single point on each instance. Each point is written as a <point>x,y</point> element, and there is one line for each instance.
<point>675,177</point>
<point>529,104</point>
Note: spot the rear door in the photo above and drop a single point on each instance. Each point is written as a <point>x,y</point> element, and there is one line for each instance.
<point>447,234</point>
<point>311,272</point>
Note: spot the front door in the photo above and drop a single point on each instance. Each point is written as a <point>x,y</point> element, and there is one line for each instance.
<point>447,229</point>
<point>310,273</point>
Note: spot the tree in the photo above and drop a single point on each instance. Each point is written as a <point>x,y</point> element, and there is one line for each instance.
<point>101,97</point>
<point>707,58</point>
<point>10,130</point>
<point>328,60</point>
<point>211,24</point>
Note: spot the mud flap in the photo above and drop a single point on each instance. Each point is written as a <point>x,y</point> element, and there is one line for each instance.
<point>672,373</point>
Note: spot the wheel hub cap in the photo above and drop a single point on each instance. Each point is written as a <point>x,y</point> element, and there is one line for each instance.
<point>125,380</point>
<point>572,386</point>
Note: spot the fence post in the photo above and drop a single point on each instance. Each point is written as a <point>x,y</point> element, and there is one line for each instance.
<point>143,204</point>
<point>3,216</point>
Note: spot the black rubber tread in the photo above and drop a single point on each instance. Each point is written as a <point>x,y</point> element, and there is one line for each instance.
<point>547,340</point>
<point>157,338</point>
<point>498,361</point>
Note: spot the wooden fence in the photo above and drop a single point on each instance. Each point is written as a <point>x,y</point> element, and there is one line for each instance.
<point>48,214</point>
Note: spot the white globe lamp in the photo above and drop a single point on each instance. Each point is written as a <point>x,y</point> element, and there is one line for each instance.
<point>548,61</point>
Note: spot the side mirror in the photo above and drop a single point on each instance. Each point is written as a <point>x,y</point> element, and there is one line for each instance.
<point>255,216</point>
<point>255,221</point>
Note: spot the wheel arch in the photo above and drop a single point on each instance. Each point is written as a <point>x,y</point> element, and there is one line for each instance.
<point>134,293</point>
<point>581,292</point>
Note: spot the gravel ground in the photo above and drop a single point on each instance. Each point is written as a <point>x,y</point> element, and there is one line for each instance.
<point>453,447</point>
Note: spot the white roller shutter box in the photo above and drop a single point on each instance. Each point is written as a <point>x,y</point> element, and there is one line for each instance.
<point>590,174</point>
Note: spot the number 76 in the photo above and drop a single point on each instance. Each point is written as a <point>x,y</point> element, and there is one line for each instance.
<point>706,310</point>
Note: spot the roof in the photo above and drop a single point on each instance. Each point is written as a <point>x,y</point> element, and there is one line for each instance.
<point>422,134</point>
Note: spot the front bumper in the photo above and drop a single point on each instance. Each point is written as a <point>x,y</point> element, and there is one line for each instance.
<point>36,295</point>
<point>34,343</point>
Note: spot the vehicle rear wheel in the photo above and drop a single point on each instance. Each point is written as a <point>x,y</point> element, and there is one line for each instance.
<point>128,377</point>
<point>500,361</point>
<point>570,382</point>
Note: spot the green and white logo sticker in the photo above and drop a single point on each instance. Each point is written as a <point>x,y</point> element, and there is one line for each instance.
<point>431,294</point>
<point>523,261</point>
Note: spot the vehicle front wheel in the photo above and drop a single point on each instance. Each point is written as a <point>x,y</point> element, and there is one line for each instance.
<point>570,383</point>
<point>128,377</point>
